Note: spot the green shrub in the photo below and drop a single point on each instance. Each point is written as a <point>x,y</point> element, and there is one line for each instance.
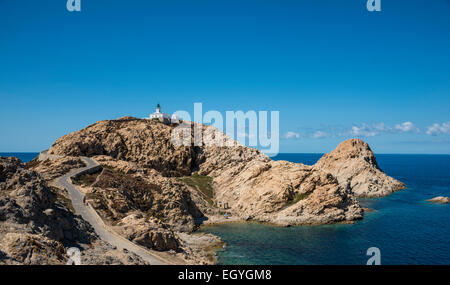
<point>86,179</point>
<point>298,197</point>
<point>202,183</point>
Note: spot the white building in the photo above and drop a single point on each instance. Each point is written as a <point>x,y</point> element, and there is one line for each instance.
<point>162,117</point>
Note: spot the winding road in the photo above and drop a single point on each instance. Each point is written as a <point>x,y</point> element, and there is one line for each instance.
<point>89,215</point>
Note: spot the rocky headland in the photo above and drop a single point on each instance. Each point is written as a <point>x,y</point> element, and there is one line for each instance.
<point>157,194</point>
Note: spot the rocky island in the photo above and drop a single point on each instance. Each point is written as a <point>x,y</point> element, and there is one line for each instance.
<point>440,200</point>
<point>156,195</point>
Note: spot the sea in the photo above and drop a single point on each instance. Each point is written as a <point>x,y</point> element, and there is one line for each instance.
<point>404,227</point>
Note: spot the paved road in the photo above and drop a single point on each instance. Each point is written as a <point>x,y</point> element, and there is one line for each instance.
<point>98,225</point>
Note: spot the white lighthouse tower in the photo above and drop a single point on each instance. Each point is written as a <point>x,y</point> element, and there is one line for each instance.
<point>158,115</point>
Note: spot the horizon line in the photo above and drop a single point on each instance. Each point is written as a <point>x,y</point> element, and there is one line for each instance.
<point>321,153</point>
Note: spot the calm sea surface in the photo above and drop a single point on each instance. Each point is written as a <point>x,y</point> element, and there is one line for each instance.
<point>24,156</point>
<point>406,228</point>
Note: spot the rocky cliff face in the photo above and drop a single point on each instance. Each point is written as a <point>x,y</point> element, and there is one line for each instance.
<point>354,163</point>
<point>116,195</point>
<point>253,186</point>
<point>37,228</point>
<point>280,192</point>
<point>144,142</point>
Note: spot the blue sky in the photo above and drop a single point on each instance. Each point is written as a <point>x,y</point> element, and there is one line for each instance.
<point>332,69</point>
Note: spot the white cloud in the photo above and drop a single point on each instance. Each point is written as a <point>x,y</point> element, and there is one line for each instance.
<point>319,135</point>
<point>363,131</point>
<point>406,127</point>
<point>381,127</point>
<point>291,135</point>
<point>375,129</point>
<point>437,129</point>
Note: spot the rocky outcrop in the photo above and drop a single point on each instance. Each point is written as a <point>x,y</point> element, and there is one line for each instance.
<point>147,193</point>
<point>201,248</point>
<point>354,163</point>
<point>51,169</point>
<point>250,183</point>
<point>115,195</point>
<point>148,232</point>
<point>281,192</point>
<point>37,228</point>
<point>144,142</point>
<point>26,202</point>
<point>22,248</point>
<point>440,200</point>
<point>144,207</point>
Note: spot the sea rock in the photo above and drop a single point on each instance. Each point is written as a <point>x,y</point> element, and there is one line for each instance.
<point>440,200</point>
<point>354,163</point>
<point>200,247</point>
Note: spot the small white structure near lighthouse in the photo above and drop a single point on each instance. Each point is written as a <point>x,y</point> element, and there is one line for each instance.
<point>162,117</point>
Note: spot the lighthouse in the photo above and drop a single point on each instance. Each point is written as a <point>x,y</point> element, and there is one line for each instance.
<point>158,115</point>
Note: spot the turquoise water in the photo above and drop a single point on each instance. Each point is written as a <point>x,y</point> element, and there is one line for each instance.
<point>406,228</point>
